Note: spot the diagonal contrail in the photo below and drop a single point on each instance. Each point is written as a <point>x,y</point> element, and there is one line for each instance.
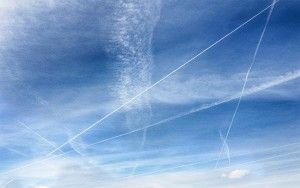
<point>15,151</point>
<point>246,78</point>
<point>244,164</point>
<point>162,79</point>
<point>38,135</point>
<point>226,147</point>
<point>277,82</point>
<point>7,183</point>
<point>144,137</point>
<point>280,80</point>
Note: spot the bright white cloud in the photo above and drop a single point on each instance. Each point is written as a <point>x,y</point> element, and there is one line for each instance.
<point>236,174</point>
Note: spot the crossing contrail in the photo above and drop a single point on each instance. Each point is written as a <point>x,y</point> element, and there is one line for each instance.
<point>160,80</point>
<point>246,79</point>
<point>226,147</point>
<point>280,80</point>
<point>38,135</point>
<point>244,164</point>
<point>203,107</point>
<point>275,82</point>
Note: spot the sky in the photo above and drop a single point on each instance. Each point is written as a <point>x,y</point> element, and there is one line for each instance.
<point>149,94</point>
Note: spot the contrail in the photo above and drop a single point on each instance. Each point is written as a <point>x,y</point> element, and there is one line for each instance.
<point>226,146</point>
<point>246,78</point>
<point>280,80</point>
<point>245,164</point>
<point>162,79</point>
<point>15,151</point>
<point>7,183</point>
<point>37,134</point>
<point>42,138</point>
<point>144,136</point>
<point>197,163</point>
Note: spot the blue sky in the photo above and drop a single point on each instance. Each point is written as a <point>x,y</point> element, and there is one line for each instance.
<point>67,69</point>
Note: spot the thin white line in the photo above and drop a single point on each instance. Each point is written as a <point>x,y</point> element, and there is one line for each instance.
<point>163,78</point>
<point>280,80</point>
<point>246,79</point>
<point>36,133</point>
<point>36,162</point>
<point>144,136</point>
<point>15,151</point>
<point>7,183</point>
<point>203,162</point>
<point>173,117</point>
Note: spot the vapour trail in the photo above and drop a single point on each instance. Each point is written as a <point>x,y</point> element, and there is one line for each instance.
<point>246,79</point>
<point>160,80</point>
<point>226,146</point>
<point>37,134</point>
<point>144,136</point>
<point>280,80</point>
<point>245,164</point>
<point>14,151</point>
<point>90,145</point>
<point>242,164</point>
<point>7,183</point>
<point>36,162</point>
<point>203,162</point>
<point>213,160</point>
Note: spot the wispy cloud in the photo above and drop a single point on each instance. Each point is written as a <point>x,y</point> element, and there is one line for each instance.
<point>68,66</point>
<point>132,29</point>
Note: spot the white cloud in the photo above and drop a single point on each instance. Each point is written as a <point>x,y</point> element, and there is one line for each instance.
<point>236,174</point>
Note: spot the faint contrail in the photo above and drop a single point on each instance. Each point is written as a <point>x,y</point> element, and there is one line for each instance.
<point>160,80</point>
<point>243,164</point>
<point>261,87</point>
<point>7,183</point>
<point>37,134</point>
<point>212,160</point>
<point>141,147</point>
<point>15,151</point>
<point>43,138</point>
<point>280,80</point>
<point>197,163</point>
<point>226,147</point>
<point>246,78</point>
